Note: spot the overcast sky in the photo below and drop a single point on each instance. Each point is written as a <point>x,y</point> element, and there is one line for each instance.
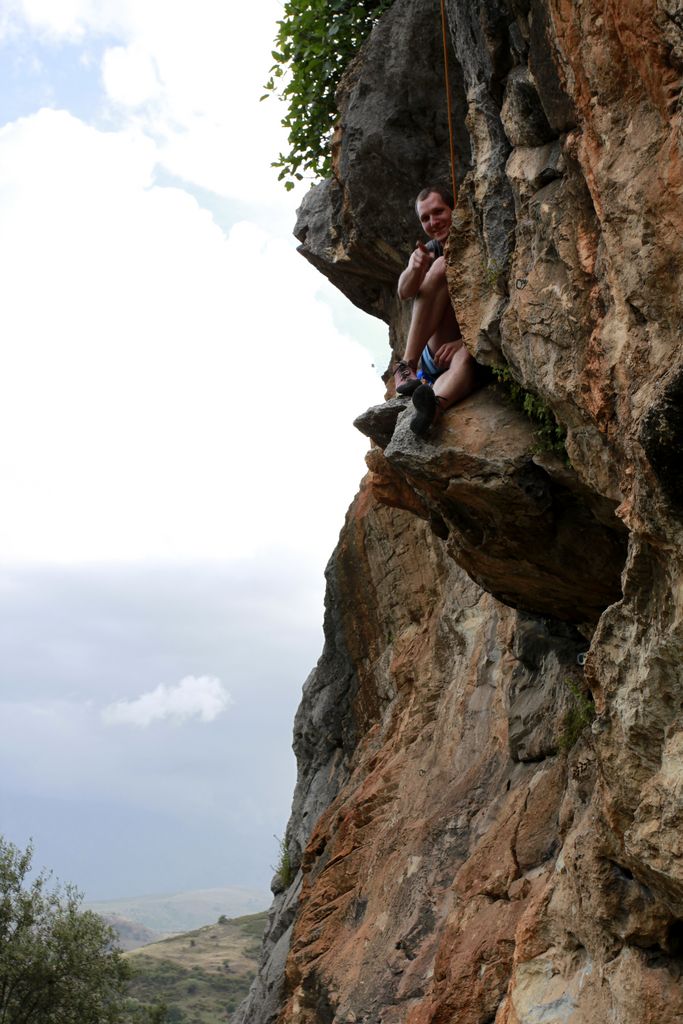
<point>176,445</point>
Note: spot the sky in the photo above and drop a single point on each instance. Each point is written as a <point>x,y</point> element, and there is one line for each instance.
<point>177,447</point>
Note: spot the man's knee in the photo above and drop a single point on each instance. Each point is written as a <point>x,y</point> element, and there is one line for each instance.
<point>462,361</point>
<point>435,279</point>
<point>437,271</point>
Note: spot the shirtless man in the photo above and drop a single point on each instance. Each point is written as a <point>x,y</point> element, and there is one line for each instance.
<point>434,335</point>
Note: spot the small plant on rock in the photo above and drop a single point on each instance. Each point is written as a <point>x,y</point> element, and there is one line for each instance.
<point>284,865</point>
<point>491,272</point>
<point>580,714</point>
<point>550,434</point>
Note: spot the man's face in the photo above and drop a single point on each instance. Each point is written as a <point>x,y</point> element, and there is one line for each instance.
<point>435,216</point>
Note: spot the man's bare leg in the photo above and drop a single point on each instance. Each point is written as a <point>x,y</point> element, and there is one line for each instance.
<point>433,320</point>
<point>458,381</point>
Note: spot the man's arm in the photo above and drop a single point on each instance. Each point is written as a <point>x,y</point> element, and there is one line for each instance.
<point>412,277</point>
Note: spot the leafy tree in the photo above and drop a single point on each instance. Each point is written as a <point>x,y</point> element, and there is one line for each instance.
<point>58,963</point>
<point>315,41</point>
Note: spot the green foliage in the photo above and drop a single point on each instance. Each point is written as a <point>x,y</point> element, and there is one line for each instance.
<point>492,272</point>
<point>195,982</point>
<point>190,993</point>
<point>198,977</point>
<point>580,714</point>
<point>284,864</point>
<point>158,1013</point>
<point>550,434</point>
<point>58,964</point>
<point>315,41</point>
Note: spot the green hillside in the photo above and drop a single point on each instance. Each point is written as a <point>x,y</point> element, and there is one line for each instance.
<point>200,976</point>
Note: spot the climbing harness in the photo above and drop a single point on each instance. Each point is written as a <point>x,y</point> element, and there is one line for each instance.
<point>448,96</point>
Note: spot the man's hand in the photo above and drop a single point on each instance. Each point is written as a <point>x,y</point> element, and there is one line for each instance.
<point>421,259</point>
<point>410,281</point>
<point>444,354</point>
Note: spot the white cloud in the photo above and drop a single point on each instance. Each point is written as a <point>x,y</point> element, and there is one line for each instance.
<point>70,19</point>
<point>129,75</point>
<point>172,393</point>
<point>67,749</point>
<point>206,113</point>
<point>192,79</point>
<point>202,697</point>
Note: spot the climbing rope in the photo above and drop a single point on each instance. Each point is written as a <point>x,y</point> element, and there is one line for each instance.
<point>448,95</point>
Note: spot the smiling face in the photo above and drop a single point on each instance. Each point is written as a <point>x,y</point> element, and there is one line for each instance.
<point>435,216</point>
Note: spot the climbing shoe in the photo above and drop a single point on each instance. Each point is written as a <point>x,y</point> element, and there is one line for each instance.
<point>405,378</point>
<point>428,406</point>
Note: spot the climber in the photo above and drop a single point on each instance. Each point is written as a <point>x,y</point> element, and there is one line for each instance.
<point>448,370</point>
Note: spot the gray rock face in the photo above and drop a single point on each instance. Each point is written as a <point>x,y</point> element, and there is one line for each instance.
<point>539,694</point>
<point>661,435</point>
<point>481,34</point>
<point>557,103</point>
<point>324,736</point>
<point>379,421</point>
<point>522,115</point>
<point>530,169</point>
<point>324,728</point>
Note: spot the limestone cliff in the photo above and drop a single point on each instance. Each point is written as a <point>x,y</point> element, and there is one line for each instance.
<point>485,829</point>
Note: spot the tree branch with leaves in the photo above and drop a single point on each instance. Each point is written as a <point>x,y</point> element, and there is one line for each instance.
<point>58,963</point>
<point>315,42</point>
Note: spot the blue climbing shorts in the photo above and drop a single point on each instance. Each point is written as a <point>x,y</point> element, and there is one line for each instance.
<point>430,371</point>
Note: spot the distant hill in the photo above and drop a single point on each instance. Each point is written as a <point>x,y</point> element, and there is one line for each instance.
<point>201,976</point>
<point>131,935</point>
<point>180,912</point>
